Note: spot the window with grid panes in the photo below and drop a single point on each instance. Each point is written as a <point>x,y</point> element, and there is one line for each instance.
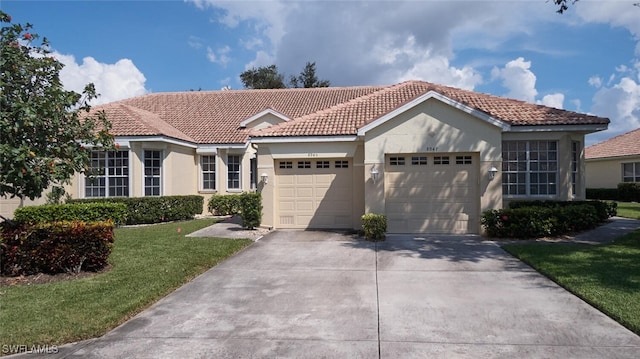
<point>233,172</point>
<point>530,168</point>
<point>152,173</point>
<point>109,174</point>
<point>208,165</point>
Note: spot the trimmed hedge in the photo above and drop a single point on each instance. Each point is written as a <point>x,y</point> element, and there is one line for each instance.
<point>251,209</point>
<point>224,205</point>
<point>247,204</point>
<point>145,210</point>
<point>84,212</point>
<point>56,247</point>
<point>374,226</point>
<point>534,219</point>
<point>625,192</point>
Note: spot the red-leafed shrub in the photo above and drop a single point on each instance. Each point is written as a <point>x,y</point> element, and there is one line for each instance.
<point>54,247</point>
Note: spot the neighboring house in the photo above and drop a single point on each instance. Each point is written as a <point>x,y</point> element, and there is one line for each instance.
<point>431,158</point>
<point>614,161</point>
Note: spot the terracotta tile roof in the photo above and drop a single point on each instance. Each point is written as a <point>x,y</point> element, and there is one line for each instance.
<point>627,144</point>
<point>214,117</point>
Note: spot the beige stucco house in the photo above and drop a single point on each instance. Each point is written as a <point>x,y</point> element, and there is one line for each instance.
<point>430,157</point>
<point>613,161</point>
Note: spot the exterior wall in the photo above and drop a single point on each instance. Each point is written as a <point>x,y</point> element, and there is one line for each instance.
<point>433,127</point>
<point>269,153</point>
<point>606,172</point>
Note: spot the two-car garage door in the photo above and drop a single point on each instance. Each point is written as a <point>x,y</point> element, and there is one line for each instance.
<point>315,193</point>
<point>432,193</point>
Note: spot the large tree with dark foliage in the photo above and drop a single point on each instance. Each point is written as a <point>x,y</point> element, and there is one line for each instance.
<point>45,131</point>
<point>268,77</point>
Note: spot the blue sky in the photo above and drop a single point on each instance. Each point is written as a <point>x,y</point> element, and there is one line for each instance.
<point>587,60</point>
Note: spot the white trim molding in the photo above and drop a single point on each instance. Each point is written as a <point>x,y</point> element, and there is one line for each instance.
<point>262,114</point>
<point>303,139</point>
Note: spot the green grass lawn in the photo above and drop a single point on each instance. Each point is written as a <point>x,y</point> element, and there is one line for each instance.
<point>629,210</point>
<point>606,276</point>
<point>147,264</point>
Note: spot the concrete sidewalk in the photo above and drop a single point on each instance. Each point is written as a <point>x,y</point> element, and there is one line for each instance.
<point>302,294</point>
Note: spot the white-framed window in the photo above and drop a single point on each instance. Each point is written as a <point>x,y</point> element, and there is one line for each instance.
<point>419,160</point>
<point>285,164</point>
<point>108,174</point>
<point>530,168</point>
<point>152,173</point>
<point>233,171</point>
<point>323,164</point>
<point>396,161</point>
<point>304,164</point>
<point>341,164</point>
<point>631,172</point>
<point>208,172</point>
<point>441,160</point>
<point>463,160</point>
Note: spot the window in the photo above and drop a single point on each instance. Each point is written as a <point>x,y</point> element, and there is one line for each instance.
<point>285,164</point>
<point>575,155</point>
<point>419,160</point>
<point>208,165</point>
<point>233,172</point>
<point>109,174</point>
<point>152,173</point>
<point>463,160</point>
<point>342,164</point>
<point>530,168</point>
<point>322,164</point>
<point>441,160</point>
<point>396,161</point>
<point>631,172</point>
<point>304,164</point>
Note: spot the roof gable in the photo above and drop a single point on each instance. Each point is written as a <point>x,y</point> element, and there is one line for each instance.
<point>262,116</point>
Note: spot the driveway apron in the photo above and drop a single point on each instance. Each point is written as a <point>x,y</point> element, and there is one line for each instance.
<point>303,294</point>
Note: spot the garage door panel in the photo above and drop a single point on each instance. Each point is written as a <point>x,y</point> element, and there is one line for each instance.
<point>314,197</point>
<point>431,198</point>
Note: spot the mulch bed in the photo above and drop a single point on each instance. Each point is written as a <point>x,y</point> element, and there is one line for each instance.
<point>42,278</point>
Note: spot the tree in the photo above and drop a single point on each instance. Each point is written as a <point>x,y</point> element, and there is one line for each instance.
<point>563,5</point>
<point>308,78</point>
<point>45,131</point>
<point>266,77</point>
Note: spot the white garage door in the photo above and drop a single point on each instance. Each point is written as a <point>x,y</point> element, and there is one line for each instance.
<point>314,193</point>
<point>432,193</point>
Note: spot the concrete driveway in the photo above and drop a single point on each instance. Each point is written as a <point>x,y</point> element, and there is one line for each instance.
<point>317,294</point>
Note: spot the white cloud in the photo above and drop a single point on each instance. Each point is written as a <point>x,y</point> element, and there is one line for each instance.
<point>219,56</point>
<point>112,81</point>
<point>615,13</point>
<point>595,81</point>
<point>195,42</point>
<point>518,79</point>
<point>621,104</point>
<point>555,100</point>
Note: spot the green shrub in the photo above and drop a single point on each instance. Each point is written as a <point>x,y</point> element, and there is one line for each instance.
<point>84,212</point>
<point>374,226</point>
<point>610,194</point>
<point>629,192</point>
<point>54,247</point>
<point>534,219</point>
<point>251,209</point>
<point>144,210</point>
<point>224,205</point>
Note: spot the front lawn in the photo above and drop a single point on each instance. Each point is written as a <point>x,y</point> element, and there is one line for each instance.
<point>607,276</point>
<point>629,209</point>
<point>147,264</point>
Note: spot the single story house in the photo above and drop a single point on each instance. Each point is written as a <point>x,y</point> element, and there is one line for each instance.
<point>431,158</point>
<point>613,161</point>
